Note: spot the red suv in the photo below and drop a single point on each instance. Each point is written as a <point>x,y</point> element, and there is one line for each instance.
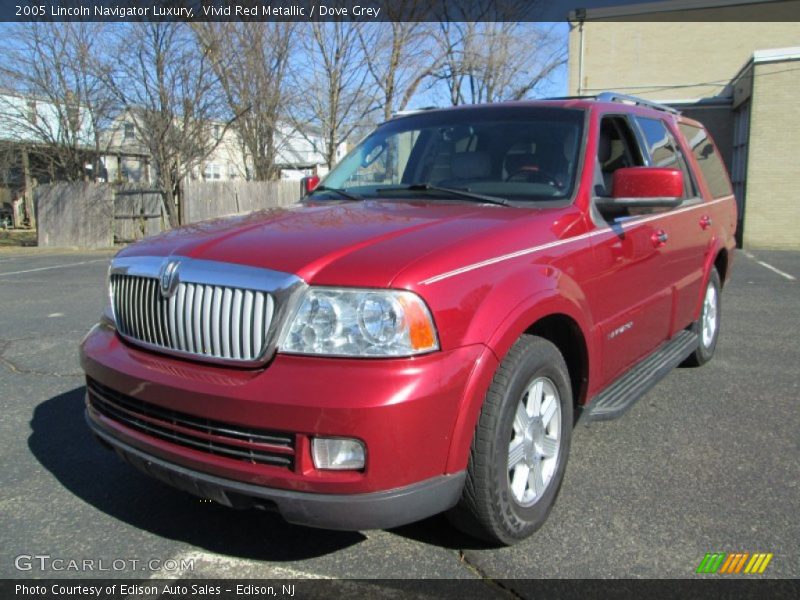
<point>421,332</point>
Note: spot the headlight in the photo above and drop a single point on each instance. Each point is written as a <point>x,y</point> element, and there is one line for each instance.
<point>358,322</point>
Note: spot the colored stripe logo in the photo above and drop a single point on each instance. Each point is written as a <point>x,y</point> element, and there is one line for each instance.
<point>734,563</point>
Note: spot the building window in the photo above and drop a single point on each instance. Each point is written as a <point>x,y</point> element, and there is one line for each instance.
<point>212,171</point>
<point>216,131</point>
<point>129,134</point>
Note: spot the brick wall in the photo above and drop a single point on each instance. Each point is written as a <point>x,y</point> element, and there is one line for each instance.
<point>637,58</point>
<point>772,201</point>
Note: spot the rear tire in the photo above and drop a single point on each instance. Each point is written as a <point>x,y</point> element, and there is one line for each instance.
<point>707,326</point>
<point>519,452</point>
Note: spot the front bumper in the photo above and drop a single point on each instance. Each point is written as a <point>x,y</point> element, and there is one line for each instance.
<point>377,510</point>
<point>404,410</point>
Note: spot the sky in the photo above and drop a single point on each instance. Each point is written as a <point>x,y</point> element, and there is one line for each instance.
<point>555,86</point>
<point>558,84</point>
<point>555,10</point>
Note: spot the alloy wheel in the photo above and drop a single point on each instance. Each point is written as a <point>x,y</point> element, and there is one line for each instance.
<point>535,441</point>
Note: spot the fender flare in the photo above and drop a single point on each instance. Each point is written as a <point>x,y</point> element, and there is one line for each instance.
<point>525,314</point>
<point>715,246</point>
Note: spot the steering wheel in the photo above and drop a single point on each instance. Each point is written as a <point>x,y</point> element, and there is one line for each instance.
<point>536,175</point>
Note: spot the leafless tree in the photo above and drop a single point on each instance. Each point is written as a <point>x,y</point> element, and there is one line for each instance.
<point>497,58</point>
<point>399,56</point>
<point>167,86</point>
<point>58,105</point>
<point>251,61</point>
<point>54,104</point>
<point>452,39</point>
<point>333,83</point>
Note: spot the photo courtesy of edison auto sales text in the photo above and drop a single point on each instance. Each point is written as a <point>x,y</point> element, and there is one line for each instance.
<point>160,590</point>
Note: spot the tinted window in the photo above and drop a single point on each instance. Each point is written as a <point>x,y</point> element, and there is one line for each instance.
<point>664,150</point>
<point>709,160</point>
<point>660,144</point>
<point>523,154</point>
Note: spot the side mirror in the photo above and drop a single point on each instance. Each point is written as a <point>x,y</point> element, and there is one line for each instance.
<point>309,184</point>
<point>645,187</point>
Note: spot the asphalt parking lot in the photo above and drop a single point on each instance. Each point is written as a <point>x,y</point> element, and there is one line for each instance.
<point>706,462</point>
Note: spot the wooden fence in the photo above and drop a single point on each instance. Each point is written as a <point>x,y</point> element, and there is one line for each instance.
<point>209,199</point>
<point>138,213</point>
<point>74,215</point>
<point>98,215</point>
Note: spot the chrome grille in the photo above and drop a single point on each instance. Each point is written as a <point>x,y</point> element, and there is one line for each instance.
<point>212,321</point>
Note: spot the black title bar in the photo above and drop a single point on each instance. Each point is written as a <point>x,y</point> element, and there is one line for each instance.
<point>397,10</point>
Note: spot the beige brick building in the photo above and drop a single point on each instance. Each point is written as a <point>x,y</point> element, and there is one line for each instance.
<point>741,78</point>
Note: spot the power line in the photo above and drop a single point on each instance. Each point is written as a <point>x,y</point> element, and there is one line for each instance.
<point>657,88</point>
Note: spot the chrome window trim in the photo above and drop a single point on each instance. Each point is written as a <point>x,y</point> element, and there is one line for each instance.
<point>286,290</point>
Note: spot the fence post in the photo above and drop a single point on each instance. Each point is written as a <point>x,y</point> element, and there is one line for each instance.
<point>113,212</point>
<point>26,170</point>
<point>165,224</point>
<point>181,207</point>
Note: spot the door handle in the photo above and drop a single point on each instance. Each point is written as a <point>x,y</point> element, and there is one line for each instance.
<point>659,238</point>
<point>705,221</point>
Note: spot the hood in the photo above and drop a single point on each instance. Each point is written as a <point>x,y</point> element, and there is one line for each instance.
<point>353,243</point>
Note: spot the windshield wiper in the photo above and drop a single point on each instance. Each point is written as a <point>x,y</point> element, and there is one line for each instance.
<point>341,192</point>
<point>460,193</point>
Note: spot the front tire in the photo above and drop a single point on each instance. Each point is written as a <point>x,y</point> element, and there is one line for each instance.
<point>519,452</point>
<point>707,326</point>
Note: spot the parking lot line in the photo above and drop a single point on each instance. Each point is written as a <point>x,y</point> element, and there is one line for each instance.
<point>770,267</point>
<point>217,566</point>
<point>220,566</point>
<point>76,264</point>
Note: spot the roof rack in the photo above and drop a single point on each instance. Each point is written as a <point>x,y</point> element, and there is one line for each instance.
<point>635,100</point>
<point>568,98</point>
<point>412,111</point>
<point>601,97</point>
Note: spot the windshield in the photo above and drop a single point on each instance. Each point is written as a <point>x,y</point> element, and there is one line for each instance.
<point>515,153</point>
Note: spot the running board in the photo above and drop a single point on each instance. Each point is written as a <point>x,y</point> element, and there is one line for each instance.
<point>618,397</point>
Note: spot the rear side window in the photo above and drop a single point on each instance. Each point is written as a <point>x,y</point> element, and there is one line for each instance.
<point>709,160</point>
<point>664,150</point>
<point>660,144</point>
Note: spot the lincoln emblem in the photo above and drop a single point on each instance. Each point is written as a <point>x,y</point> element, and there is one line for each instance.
<point>168,278</point>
